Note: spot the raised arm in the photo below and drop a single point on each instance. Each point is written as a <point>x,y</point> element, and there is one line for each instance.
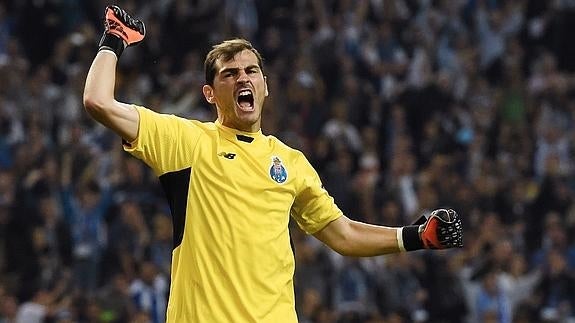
<point>120,31</point>
<point>99,99</point>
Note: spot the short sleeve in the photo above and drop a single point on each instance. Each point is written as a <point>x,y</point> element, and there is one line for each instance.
<point>313,207</point>
<point>164,142</point>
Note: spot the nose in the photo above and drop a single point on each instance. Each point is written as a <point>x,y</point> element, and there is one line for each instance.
<point>243,76</point>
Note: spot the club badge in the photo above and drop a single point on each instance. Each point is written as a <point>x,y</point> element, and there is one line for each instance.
<point>277,171</point>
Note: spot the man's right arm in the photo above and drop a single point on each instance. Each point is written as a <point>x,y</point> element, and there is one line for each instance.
<point>99,98</point>
<point>121,30</point>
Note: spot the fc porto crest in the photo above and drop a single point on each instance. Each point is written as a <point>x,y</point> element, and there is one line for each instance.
<point>277,170</point>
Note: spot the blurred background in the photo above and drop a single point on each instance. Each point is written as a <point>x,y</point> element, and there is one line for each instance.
<point>402,106</point>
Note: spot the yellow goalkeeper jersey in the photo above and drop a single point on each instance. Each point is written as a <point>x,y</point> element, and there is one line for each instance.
<point>231,194</point>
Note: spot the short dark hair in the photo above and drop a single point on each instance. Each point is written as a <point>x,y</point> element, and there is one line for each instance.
<point>225,51</point>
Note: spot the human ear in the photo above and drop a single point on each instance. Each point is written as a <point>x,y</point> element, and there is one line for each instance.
<point>209,94</point>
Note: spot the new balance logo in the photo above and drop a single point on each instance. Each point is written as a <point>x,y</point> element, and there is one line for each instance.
<point>227,155</point>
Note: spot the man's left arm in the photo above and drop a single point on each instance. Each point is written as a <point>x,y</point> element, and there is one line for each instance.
<point>441,230</point>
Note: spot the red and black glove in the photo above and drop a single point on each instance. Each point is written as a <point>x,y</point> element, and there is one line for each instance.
<point>441,230</point>
<point>121,30</point>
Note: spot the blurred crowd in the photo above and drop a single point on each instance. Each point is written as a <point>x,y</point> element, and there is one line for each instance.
<point>402,106</point>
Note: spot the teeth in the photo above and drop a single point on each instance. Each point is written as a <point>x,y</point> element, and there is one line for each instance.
<point>245,92</point>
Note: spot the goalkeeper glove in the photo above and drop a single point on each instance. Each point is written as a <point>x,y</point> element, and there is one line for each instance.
<point>121,30</point>
<point>441,230</point>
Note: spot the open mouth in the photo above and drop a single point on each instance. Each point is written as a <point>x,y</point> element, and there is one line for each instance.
<point>245,100</point>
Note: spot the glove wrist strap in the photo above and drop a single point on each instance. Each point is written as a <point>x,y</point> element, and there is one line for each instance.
<point>411,239</point>
<point>113,43</point>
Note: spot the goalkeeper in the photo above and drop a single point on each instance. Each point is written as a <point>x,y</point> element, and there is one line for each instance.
<point>232,189</point>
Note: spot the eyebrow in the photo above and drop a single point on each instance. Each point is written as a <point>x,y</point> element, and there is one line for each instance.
<point>236,69</point>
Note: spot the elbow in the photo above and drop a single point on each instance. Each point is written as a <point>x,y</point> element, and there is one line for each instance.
<point>346,251</point>
<point>338,236</point>
<point>92,102</point>
<point>343,247</point>
<point>95,105</point>
<point>343,252</point>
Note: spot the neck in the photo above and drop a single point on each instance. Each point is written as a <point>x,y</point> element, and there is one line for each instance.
<point>255,127</point>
